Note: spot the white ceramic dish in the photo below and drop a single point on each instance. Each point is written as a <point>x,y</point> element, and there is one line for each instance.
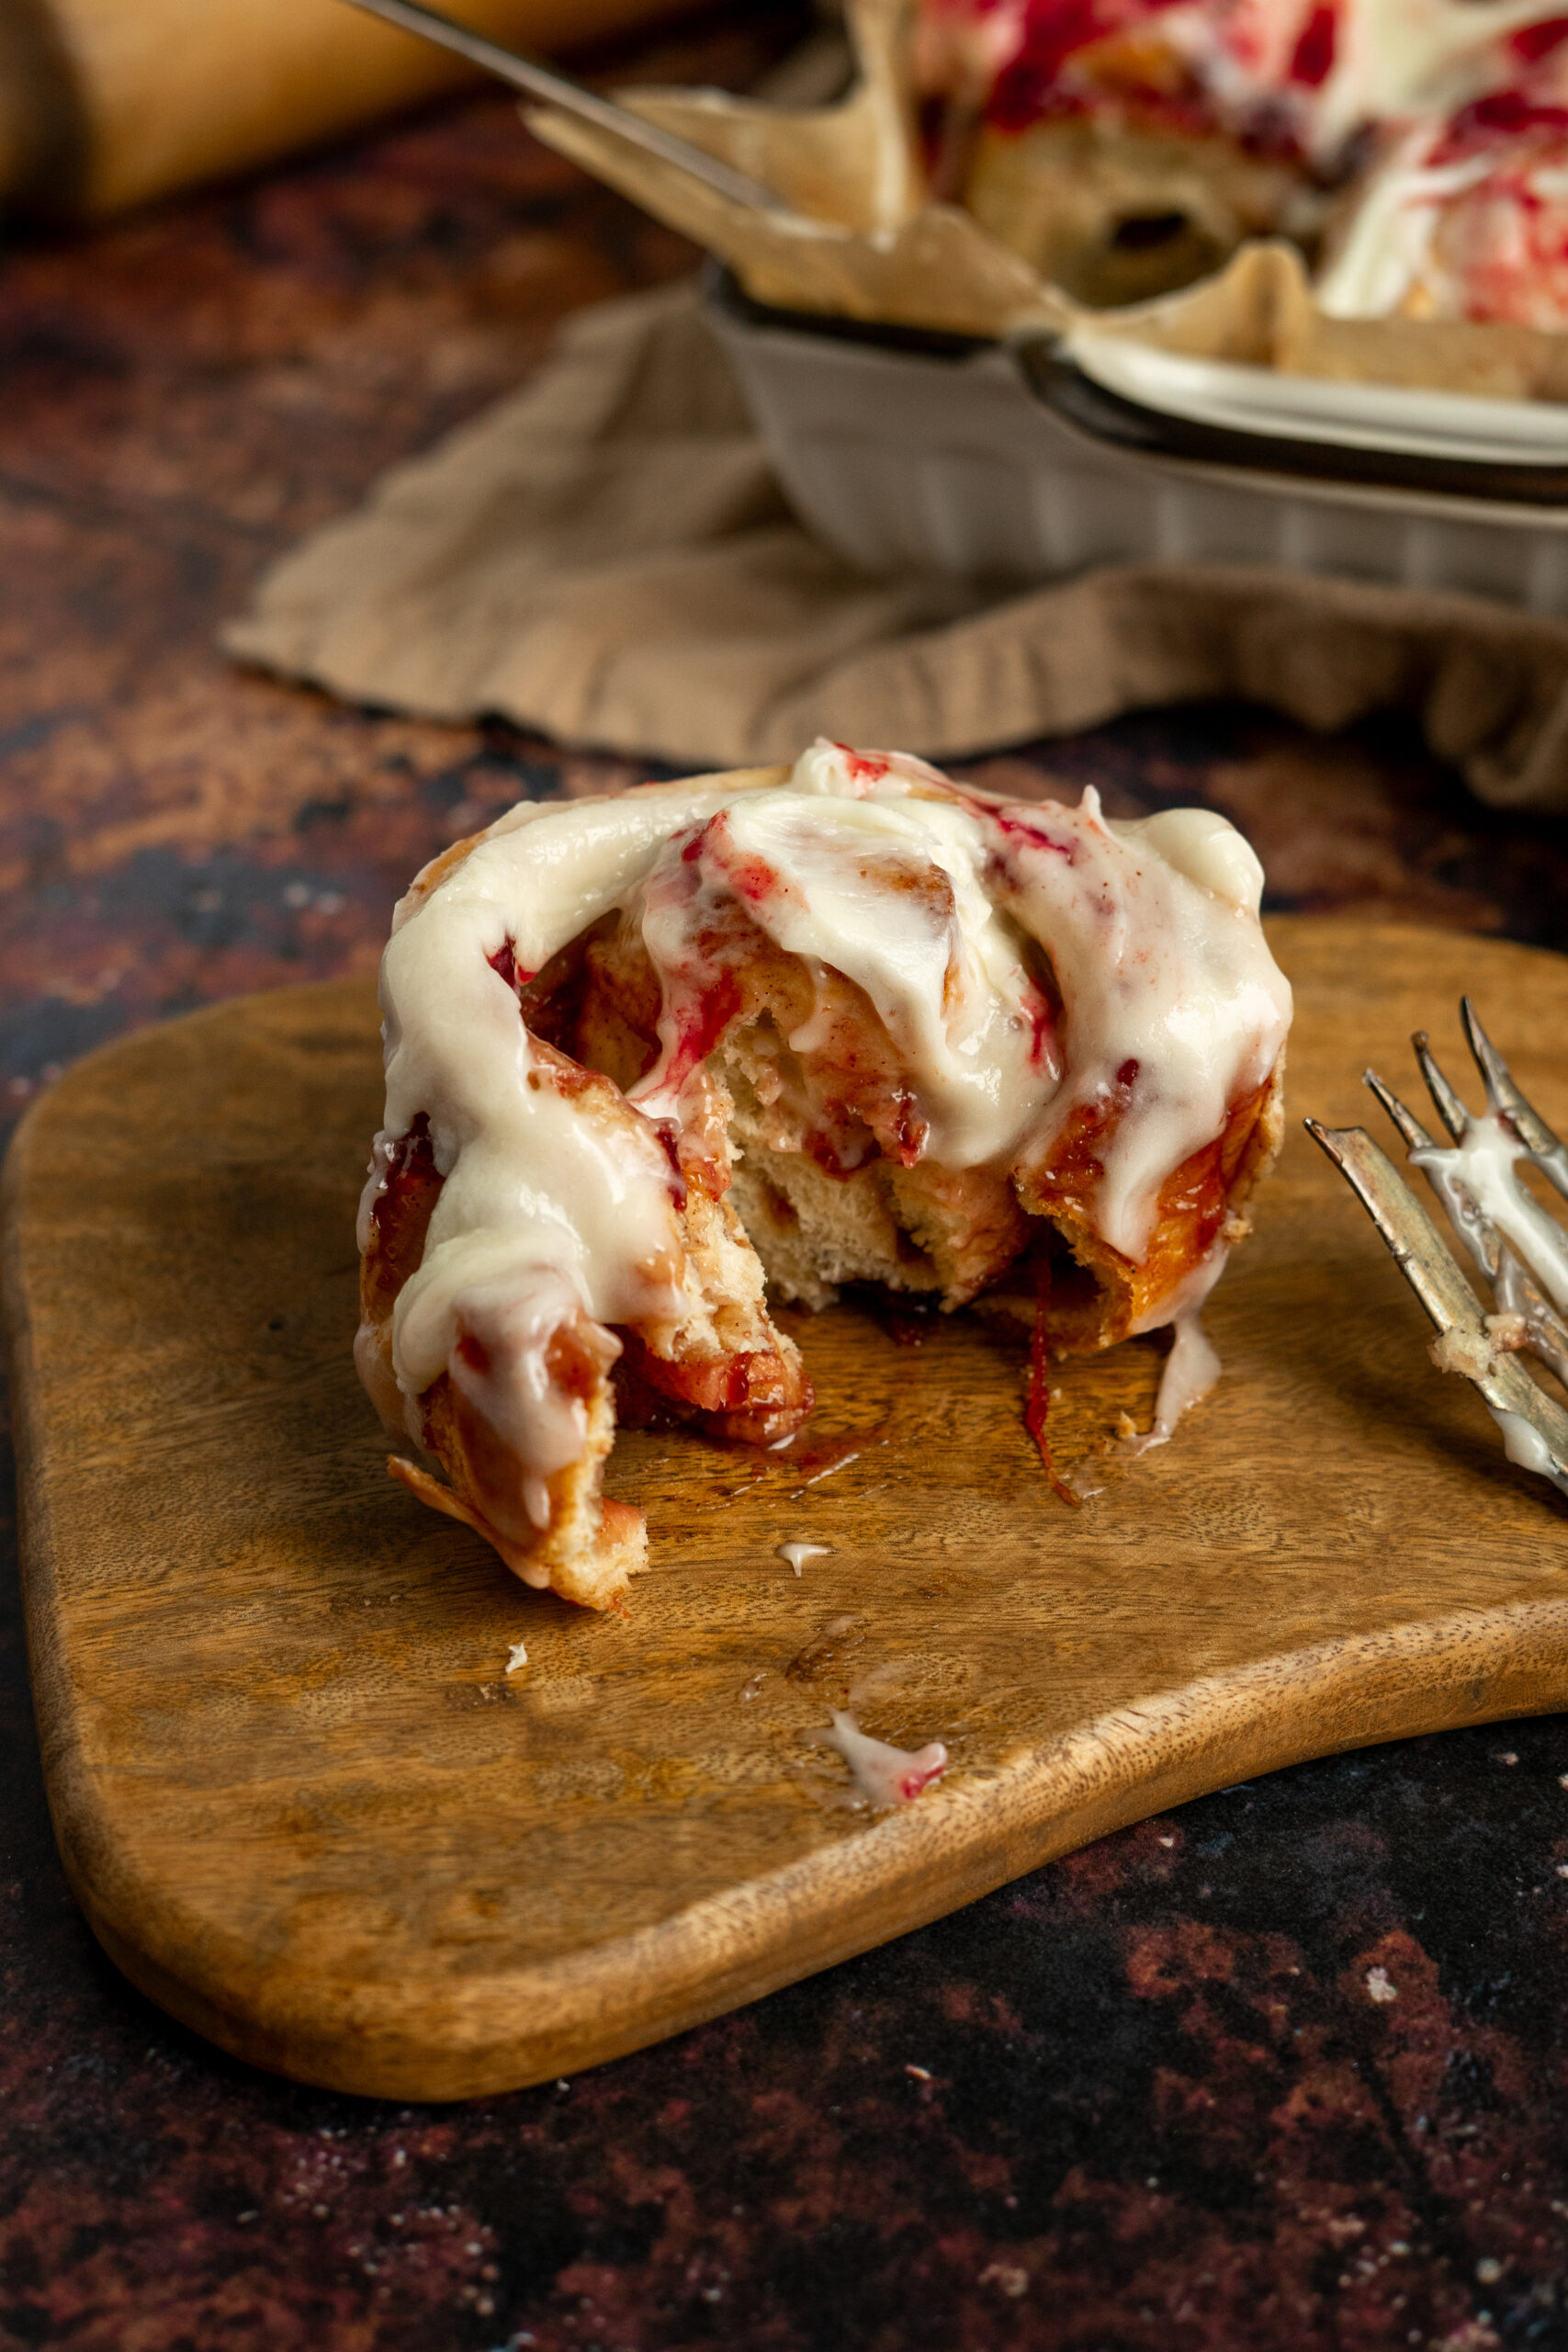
<point>921,452</point>
<point>1454,428</point>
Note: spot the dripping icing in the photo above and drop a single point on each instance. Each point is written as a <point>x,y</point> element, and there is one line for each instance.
<point>884,1776</point>
<point>1193,1369</point>
<point>796,1554</point>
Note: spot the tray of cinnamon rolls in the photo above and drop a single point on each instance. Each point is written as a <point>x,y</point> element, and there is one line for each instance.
<point>1414,152</point>
<point>1070,281</point>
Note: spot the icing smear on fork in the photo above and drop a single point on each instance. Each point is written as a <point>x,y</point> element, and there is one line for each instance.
<point>1508,1232</point>
<point>1480,1167</point>
<point>1524,1446</point>
<point>1476,1356</point>
<point>1521,1250</point>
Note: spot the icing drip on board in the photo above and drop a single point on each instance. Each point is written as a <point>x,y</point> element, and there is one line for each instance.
<point>884,1776</point>
<point>1191,1371</point>
<point>795,1556</point>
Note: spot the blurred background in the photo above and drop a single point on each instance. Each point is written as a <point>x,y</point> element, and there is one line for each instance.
<point>256,251</point>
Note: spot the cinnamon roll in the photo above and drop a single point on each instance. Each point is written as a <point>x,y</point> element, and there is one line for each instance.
<point>653,1058</point>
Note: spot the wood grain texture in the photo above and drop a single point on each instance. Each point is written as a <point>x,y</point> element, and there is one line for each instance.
<point>306,1809</point>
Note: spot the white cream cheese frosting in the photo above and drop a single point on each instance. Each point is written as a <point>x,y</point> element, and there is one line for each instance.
<point>1023,961</point>
<point>1462,219</point>
<point>1448,117</point>
<point>1314,72</point>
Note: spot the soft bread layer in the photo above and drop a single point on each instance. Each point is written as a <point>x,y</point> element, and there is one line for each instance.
<point>957,1234</point>
<point>920,1228</point>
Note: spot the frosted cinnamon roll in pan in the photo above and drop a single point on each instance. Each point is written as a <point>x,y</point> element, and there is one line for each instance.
<point>1128,147</point>
<point>1465,217</point>
<point>654,1058</point>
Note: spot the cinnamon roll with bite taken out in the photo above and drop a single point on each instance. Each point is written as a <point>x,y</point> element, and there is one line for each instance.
<point>651,1056</point>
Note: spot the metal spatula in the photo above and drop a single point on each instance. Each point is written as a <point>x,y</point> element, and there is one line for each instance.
<point>542,81</point>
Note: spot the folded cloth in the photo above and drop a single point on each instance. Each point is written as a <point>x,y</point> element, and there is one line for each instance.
<point>605,557</point>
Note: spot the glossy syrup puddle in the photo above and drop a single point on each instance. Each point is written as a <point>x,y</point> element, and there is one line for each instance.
<point>1099,1405</point>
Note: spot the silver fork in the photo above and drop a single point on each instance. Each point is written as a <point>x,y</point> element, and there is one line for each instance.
<point>1521,1250</point>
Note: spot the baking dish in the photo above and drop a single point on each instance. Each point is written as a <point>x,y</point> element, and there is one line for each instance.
<point>903,450</point>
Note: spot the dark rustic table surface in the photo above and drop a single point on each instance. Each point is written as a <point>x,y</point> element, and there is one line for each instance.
<point>1155,2097</point>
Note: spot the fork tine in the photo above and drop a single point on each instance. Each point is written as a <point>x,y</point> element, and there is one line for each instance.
<point>1476,1231</point>
<point>1544,1147</point>
<point>1450,1109</point>
<point>1501,1092</point>
<point>1415,1242</point>
<point>1409,1125</point>
<point>1517,1293</point>
<point>1534,1426</point>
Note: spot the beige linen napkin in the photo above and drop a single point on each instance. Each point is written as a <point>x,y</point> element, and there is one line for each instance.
<point>605,557</point>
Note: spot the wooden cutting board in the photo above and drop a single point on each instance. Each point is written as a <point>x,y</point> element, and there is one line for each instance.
<point>306,1808</point>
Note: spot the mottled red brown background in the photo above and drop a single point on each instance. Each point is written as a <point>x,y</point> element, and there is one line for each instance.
<point>1157,2098</point>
